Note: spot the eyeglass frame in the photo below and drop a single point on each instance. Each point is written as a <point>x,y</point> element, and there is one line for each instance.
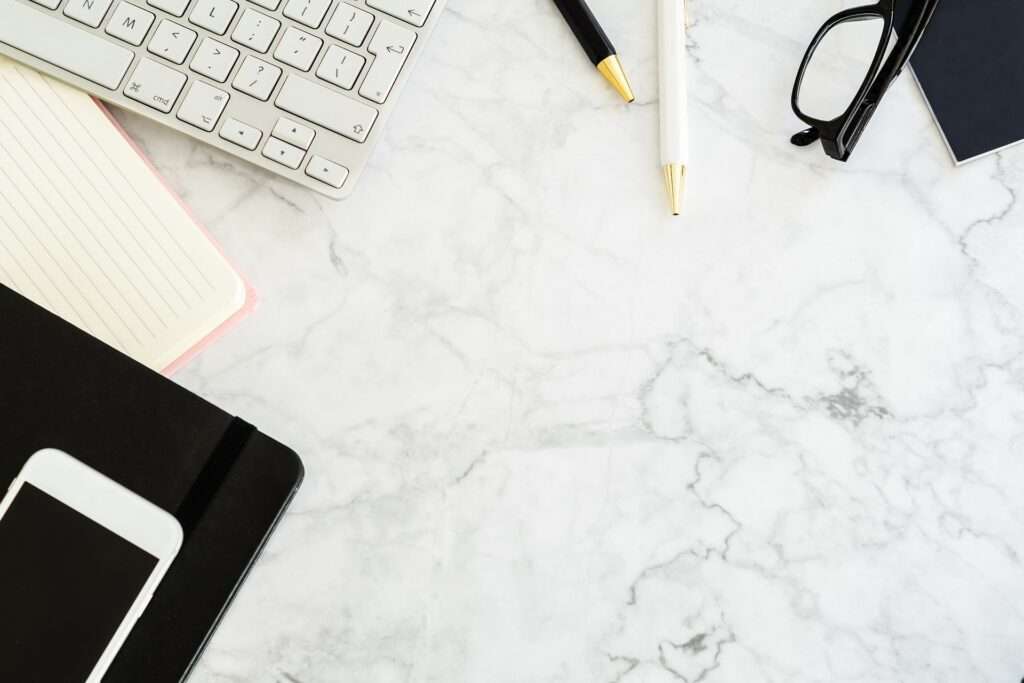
<point>839,136</point>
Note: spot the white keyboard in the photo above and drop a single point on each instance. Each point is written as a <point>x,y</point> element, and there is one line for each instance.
<point>302,88</point>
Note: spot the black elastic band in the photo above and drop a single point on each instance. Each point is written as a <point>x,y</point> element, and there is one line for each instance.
<point>213,474</point>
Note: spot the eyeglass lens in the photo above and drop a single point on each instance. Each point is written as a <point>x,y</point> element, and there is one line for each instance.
<point>839,65</point>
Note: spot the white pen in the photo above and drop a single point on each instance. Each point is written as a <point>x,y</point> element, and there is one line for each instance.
<point>675,145</point>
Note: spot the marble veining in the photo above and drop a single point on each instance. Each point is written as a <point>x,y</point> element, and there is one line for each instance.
<point>554,436</point>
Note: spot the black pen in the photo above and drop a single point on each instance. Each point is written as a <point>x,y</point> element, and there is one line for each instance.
<point>596,44</point>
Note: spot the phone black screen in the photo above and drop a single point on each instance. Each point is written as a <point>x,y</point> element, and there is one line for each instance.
<point>66,584</point>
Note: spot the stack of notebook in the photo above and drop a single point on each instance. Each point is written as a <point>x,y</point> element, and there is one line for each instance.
<point>89,231</point>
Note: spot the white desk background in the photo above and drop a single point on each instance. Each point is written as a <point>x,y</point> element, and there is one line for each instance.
<point>553,435</point>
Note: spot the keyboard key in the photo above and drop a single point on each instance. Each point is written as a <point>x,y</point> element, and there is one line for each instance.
<point>241,134</point>
<point>172,41</point>
<point>308,12</point>
<point>155,85</point>
<point>214,15</point>
<point>340,67</point>
<point>48,4</point>
<point>391,45</point>
<point>175,7</point>
<point>283,153</point>
<point>257,78</point>
<point>203,106</point>
<point>324,107</point>
<point>130,23</point>
<point>298,48</point>
<point>293,133</point>
<point>89,12</point>
<point>349,24</point>
<point>256,31</point>
<point>412,11</point>
<point>66,46</point>
<point>267,4</point>
<point>214,60</point>
<point>327,171</point>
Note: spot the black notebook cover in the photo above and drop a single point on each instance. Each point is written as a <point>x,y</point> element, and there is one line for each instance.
<point>970,65</point>
<point>227,483</point>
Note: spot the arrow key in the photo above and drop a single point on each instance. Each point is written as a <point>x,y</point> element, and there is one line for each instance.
<point>326,171</point>
<point>242,134</point>
<point>294,133</point>
<point>283,153</point>
<point>414,12</point>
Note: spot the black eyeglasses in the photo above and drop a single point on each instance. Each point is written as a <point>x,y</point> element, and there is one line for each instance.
<point>848,68</point>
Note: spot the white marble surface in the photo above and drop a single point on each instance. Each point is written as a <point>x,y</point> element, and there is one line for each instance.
<point>554,436</point>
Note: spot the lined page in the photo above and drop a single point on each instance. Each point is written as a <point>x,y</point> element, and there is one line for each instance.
<point>88,231</point>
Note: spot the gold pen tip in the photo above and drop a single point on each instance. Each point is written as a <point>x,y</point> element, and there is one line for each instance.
<point>611,69</point>
<point>675,179</point>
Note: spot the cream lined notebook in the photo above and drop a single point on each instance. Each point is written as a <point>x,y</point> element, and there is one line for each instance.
<point>89,231</point>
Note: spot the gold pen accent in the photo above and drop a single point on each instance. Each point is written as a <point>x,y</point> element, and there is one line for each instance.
<point>611,69</point>
<point>675,180</point>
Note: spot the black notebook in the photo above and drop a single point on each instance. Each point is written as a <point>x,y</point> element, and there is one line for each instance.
<point>227,483</point>
<point>970,65</point>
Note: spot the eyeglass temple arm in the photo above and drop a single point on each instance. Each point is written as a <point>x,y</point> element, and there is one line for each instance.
<point>900,55</point>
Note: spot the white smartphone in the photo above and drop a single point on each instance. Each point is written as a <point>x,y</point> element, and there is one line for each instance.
<point>80,557</point>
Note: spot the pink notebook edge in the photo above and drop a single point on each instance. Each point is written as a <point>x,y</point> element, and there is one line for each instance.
<point>251,298</point>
